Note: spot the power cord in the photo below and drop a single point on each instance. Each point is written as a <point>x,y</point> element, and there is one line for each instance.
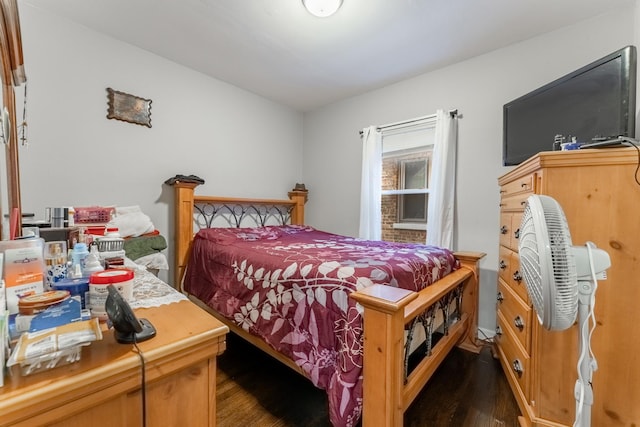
<point>635,175</point>
<point>634,144</point>
<point>485,338</point>
<point>631,142</point>
<point>143,385</point>
<point>589,323</point>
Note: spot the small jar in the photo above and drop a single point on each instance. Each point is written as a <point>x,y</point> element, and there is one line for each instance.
<point>55,257</point>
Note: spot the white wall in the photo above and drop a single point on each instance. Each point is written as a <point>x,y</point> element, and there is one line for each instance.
<point>478,88</point>
<point>77,157</point>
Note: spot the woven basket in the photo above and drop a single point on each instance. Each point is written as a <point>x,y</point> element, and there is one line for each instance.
<point>110,244</point>
<point>93,214</point>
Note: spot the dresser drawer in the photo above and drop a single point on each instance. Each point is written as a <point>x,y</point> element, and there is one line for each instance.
<point>520,185</point>
<point>516,219</point>
<point>510,229</point>
<point>516,281</point>
<point>505,229</point>
<point>516,360</point>
<point>516,313</point>
<point>515,202</point>
<point>509,272</point>
<point>504,263</point>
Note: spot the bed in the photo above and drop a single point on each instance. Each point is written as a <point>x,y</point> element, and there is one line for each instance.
<point>321,303</point>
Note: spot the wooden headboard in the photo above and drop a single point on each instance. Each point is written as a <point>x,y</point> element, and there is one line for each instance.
<point>193,212</point>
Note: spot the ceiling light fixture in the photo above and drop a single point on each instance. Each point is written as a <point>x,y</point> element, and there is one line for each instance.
<point>322,8</point>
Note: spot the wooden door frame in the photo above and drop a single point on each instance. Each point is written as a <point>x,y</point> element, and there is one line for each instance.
<point>12,74</point>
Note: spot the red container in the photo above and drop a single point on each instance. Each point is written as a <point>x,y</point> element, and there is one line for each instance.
<point>93,215</point>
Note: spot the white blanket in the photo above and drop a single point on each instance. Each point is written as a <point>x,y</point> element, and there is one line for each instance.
<point>131,221</point>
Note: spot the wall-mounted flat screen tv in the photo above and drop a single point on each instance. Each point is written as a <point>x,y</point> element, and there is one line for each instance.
<point>596,101</point>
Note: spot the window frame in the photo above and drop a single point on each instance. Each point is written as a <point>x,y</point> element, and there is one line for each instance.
<point>400,147</point>
<point>402,191</point>
<point>402,218</point>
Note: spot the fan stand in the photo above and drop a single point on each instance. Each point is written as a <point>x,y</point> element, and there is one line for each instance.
<point>583,390</point>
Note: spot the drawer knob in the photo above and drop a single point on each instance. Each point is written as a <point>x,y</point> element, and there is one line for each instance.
<point>519,323</point>
<point>517,367</point>
<point>500,297</point>
<point>504,229</point>
<point>524,185</point>
<point>517,276</point>
<point>498,331</point>
<point>503,264</point>
<point>516,234</point>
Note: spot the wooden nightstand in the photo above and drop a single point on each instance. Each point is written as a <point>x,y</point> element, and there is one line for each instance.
<point>104,387</point>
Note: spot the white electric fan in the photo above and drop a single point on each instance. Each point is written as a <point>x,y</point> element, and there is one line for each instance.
<point>561,280</point>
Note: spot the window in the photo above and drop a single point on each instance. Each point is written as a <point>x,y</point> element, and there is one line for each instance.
<point>383,148</point>
<point>406,165</point>
<point>413,176</point>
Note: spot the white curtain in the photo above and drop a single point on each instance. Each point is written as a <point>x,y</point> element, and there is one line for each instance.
<point>440,214</point>
<point>371,183</point>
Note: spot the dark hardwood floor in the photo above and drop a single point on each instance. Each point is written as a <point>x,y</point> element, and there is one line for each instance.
<point>467,390</point>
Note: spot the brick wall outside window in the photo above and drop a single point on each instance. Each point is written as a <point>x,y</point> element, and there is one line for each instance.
<point>390,177</point>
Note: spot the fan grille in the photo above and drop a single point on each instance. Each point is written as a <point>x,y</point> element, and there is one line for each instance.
<point>547,263</point>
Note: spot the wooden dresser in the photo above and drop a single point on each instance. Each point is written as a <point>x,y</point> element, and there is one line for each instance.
<point>598,192</point>
<point>104,387</point>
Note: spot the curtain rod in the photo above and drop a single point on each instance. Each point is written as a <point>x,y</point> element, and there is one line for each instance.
<point>453,113</point>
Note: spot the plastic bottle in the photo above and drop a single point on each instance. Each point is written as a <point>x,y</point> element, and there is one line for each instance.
<point>92,262</point>
<point>71,217</point>
<point>79,256</point>
<point>75,272</point>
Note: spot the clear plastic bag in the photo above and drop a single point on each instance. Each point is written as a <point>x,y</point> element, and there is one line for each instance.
<point>46,349</point>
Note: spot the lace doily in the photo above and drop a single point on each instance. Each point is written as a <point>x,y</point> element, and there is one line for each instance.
<point>149,291</point>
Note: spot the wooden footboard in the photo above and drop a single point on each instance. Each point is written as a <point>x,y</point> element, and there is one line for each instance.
<point>388,389</point>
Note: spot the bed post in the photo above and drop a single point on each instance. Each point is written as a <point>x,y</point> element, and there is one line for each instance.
<point>383,371</point>
<point>183,226</point>
<point>300,198</point>
<point>471,260</point>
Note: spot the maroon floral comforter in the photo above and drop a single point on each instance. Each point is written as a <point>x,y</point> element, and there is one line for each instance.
<point>290,285</point>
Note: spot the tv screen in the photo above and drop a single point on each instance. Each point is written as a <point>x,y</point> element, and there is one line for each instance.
<point>596,101</point>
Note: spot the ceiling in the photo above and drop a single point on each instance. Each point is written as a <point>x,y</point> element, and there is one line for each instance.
<point>274,48</point>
